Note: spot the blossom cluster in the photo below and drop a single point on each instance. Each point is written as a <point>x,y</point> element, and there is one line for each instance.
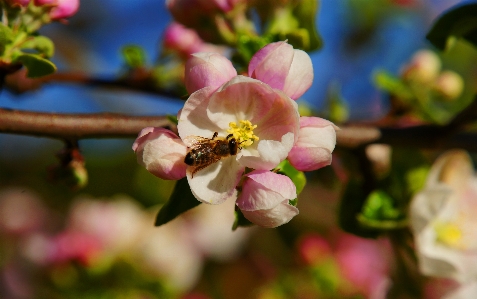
<point>256,118</point>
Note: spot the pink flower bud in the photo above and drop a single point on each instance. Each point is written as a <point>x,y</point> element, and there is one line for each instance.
<point>282,67</point>
<point>264,198</point>
<point>63,9</point>
<point>185,41</point>
<point>162,153</point>
<point>207,69</point>
<point>316,141</point>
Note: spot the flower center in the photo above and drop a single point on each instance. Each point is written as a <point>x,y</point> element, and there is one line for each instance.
<point>243,132</point>
<point>449,234</point>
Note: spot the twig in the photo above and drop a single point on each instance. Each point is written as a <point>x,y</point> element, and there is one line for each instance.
<point>76,126</point>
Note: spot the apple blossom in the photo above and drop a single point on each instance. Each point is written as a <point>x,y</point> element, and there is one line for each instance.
<point>265,197</point>
<point>264,121</point>
<point>443,219</point>
<point>207,69</point>
<point>282,67</point>
<point>260,122</point>
<point>161,152</point>
<point>316,141</point>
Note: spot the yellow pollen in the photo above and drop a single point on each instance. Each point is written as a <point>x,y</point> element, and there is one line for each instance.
<point>449,234</point>
<point>243,132</point>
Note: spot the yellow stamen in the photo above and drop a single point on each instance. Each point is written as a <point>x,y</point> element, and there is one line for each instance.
<point>449,234</point>
<point>243,132</point>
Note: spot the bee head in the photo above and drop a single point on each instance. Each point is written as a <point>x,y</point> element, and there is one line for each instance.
<point>233,146</point>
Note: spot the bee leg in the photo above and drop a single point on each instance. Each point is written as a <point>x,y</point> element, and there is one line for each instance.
<point>215,135</point>
<point>197,169</point>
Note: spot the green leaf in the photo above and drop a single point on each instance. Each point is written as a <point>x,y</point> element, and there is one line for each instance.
<point>459,22</point>
<point>305,12</point>
<point>173,119</point>
<point>36,65</point>
<point>240,219</point>
<point>181,201</point>
<point>392,84</point>
<point>298,177</point>
<point>351,205</point>
<point>380,206</point>
<point>134,56</point>
<point>6,36</point>
<point>42,44</point>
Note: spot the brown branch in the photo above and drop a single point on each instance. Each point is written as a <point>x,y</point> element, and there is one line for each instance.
<point>108,125</point>
<point>76,126</point>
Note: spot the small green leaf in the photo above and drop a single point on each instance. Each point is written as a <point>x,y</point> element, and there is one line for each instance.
<point>459,22</point>
<point>240,219</point>
<point>392,84</point>
<point>134,56</point>
<point>172,119</point>
<point>298,177</point>
<point>181,201</point>
<point>36,65</point>
<point>379,206</point>
<point>306,12</point>
<point>6,36</point>
<point>42,44</point>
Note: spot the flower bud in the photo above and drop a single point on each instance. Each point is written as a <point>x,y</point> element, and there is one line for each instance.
<point>207,69</point>
<point>162,153</point>
<point>265,196</point>
<point>64,9</point>
<point>316,141</point>
<point>424,67</point>
<point>449,84</point>
<point>293,74</point>
<point>185,41</point>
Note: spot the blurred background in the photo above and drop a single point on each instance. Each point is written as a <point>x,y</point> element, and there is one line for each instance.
<point>100,242</point>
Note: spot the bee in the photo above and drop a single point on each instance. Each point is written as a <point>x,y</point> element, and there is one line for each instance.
<point>206,151</point>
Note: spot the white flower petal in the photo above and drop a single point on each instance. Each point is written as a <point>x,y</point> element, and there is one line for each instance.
<point>216,183</point>
<point>277,216</point>
<point>270,153</point>
<point>193,119</point>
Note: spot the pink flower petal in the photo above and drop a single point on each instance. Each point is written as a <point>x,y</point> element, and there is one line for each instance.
<point>300,75</point>
<point>264,190</point>
<point>161,152</point>
<point>207,69</point>
<point>264,67</point>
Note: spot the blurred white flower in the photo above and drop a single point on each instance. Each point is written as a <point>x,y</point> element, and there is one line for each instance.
<point>443,218</point>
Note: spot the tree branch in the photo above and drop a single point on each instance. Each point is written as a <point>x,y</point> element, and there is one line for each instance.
<point>76,126</point>
<point>109,125</point>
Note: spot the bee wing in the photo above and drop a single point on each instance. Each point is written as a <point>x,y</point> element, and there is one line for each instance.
<point>192,140</point>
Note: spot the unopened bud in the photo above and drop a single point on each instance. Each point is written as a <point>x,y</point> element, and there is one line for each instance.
<point>424,67</point>
<point>449,84</point>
